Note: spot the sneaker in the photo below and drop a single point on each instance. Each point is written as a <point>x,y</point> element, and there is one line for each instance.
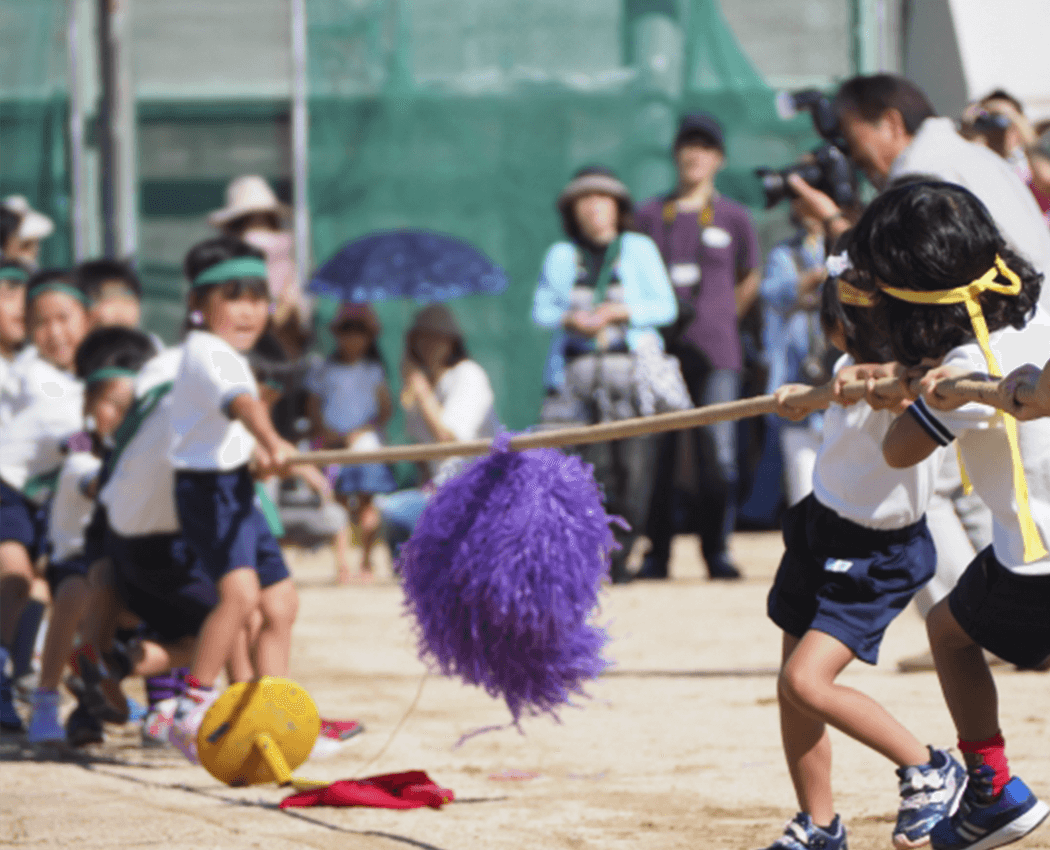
<point>82,727</point>
<point>44,727</point>
<point>983,820</point>
<point>801,833</point>
<point>157,723</point>
<point>929,793</point>
<point>334,735</point>
<point>9,719</point>
<point>186,722</point>
<point>719,567</point>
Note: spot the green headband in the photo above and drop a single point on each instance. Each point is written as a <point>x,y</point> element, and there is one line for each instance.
<point>55,286</point>
<point>13,273</point>
<point>235,269</point>
<point>107,372</point>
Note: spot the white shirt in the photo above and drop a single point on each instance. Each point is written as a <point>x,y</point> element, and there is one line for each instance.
<point>30,378</point>
<point>985,452</point>
<point>938,150</point>
<point>852,478</point>
<point>347,392</point>
<point>212,374</point>
<point>467,410</point>
<point>140,493</point>
<point>70,509</point>
<point>46,410</point>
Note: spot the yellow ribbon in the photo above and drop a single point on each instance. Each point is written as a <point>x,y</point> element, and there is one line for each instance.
<point>970,295</point>
<point>849,294</point>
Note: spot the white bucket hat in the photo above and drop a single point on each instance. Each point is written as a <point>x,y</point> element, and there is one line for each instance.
<point>244,196</point>
<point>32,224</point>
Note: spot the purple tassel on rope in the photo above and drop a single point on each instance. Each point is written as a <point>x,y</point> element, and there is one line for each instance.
<point>502,574</point>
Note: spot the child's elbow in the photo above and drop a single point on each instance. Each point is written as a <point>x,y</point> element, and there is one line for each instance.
<point>898,455</point>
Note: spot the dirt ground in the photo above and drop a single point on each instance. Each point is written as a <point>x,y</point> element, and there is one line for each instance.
<point>678,747</point>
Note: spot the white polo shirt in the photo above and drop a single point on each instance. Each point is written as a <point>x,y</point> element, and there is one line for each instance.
<point>984,448</point>
<point>70,509</point>
<point>211,376</point>
<point>852,478</point>
<point>140,494</point>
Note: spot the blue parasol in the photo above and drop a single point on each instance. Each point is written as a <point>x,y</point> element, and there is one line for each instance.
<point>416,264</point>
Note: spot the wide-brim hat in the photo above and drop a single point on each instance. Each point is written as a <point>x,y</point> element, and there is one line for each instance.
<point>32,224</point>
<point>594,184</point>
<point>246,195</point>
<point>357,314</point>
<point>436,318</point>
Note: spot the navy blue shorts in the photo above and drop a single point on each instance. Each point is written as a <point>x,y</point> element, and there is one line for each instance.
<point>1006,613</point>
<point>22,521</point>
<point>366,479</point>
<point>57,573</point>
<point>844,579</point>
<point>160,582</point>
<point>223,526</point>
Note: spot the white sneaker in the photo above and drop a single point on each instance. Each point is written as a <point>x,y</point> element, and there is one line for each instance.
<point>157,723</point>
<point>44,726</point>
<point>186,722</point>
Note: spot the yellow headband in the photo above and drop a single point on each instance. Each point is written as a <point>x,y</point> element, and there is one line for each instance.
<point>970,295</point>
<point>849,294</point>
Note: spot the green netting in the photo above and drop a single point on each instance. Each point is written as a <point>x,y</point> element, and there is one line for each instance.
<point>33,113</point>
<point>483,153</point>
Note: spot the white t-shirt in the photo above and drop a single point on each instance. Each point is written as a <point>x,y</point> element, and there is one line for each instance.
<point>70,509</point>
<point>46,410</point>
<point>938,150</point>
<point>985,452</point>
<point>852,478</point>
<point>212,375</point>
<point>468,411</point>
<point>140,493</point>
<point>347,392</point>
<point>29,379</point>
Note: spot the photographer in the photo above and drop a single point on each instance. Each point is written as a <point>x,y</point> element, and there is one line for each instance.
<point>892,130</point>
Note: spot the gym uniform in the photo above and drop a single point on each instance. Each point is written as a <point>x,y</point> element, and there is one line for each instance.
<point>71,512</point>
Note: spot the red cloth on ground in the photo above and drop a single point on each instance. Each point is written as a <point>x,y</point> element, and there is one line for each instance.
<point>412,789</point>
<point>993,753</point>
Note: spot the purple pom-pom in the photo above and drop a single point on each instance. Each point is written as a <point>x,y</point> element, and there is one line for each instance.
<point>503,572</point>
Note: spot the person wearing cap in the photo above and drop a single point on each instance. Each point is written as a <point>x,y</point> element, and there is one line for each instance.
<point>711,250</point>
<point>604,292</point>
<point>22,229</point>
<point>446,397</point>
<point>254,214</point>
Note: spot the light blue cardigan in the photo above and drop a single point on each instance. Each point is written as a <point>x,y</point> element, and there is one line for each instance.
<point>647,293</point>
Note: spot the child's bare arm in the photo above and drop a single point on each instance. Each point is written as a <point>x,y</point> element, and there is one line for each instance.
<point>906,443</point>
<point>274,449</point>
<point>385,404</point>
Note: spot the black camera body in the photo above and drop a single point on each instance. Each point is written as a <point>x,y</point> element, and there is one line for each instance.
<point>830,171</point>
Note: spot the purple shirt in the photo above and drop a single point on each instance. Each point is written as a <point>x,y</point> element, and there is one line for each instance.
<point>727,251</point>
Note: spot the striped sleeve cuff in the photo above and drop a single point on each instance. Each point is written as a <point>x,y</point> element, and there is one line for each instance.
<point>930,423</point>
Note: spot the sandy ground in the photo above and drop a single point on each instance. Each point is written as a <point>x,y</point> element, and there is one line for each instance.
<point>679,746</point>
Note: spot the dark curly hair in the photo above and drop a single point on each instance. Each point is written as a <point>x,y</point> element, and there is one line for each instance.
<point>931,235</point>
<point>865,341</point>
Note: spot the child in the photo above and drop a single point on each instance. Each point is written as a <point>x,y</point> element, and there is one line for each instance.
<point>954,296</point>
<point>113,291</point>
<point>855,556</point>
<point>106,361</point>
<point>349,403</point>
<point>13,277</point>
<point>218,425</point>
<point>45,408</point>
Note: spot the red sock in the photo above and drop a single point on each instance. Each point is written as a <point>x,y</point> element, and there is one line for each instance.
<point>992,752</point>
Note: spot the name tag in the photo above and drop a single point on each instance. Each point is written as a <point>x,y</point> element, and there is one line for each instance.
<point>837,565</point>
<point>685,274</point>
<point>716,237</point>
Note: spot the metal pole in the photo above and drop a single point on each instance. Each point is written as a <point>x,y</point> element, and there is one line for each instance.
<point>106,142</point>
<point>76,139</point>
<point>300,143</point>
<point>124,128</point>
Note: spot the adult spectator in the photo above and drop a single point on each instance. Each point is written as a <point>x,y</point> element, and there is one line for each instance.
<point>892,130</point>
<point>446,397</point>
<point>1039,161</point>
<point>711,250</point>
<point>604,291</point>
<point>998,122</point>
<point>22,229</point>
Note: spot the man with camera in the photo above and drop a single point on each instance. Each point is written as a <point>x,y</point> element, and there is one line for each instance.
<point>891,130</point>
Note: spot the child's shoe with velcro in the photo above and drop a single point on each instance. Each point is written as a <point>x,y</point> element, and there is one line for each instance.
<point>189,714</point>
<point>929,793</point>
<point>157,723</point>
<point>800,833</point>
<point>985,820</point>
<point>44,726</point>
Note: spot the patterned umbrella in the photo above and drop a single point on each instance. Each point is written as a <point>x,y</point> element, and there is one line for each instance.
<point>416,264</point>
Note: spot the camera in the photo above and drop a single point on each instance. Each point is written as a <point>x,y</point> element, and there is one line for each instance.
<point>830,171</point>
<point>987,123</point>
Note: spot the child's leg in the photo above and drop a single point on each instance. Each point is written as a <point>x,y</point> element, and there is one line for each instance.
<point>16,578</point>
<point>368,522</point>
<point>279,605</point>
<point>341,541</point>
<point>238,597</point>
<point>808,682</point>
<point>240,667</point>
<point>807,749</point>
<point>67,611</point>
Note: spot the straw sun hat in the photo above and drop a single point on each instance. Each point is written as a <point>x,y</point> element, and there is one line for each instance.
<point>244,196</point>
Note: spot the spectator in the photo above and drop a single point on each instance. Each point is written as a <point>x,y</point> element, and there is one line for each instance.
<point>446,397</point>
<point>710,247</point>
<point>998,122</point>
<point>253,214</point>
<point>22,229</point>
<point>604,291</point>
<point>795,341</point>
<point>1039,162</point>
<point>114,293</point>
